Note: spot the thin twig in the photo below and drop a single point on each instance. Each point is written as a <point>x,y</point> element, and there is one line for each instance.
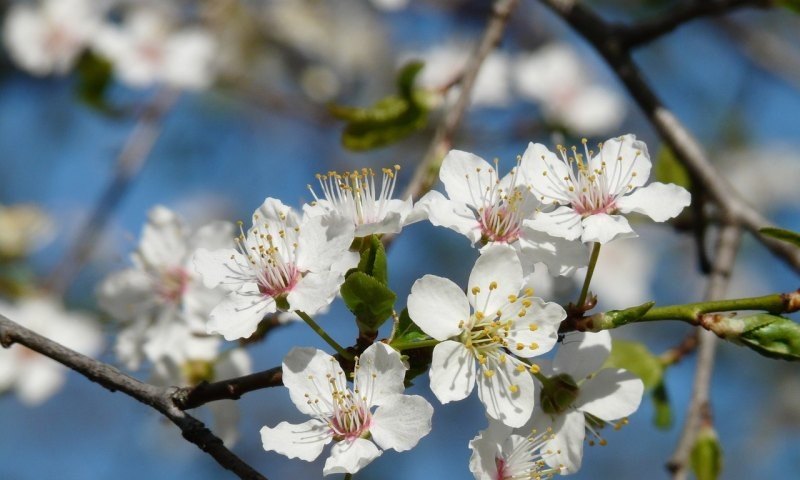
<point>727,246</point>
<point>681,350</point>
<point>114,380</point>
<point>131,159</point>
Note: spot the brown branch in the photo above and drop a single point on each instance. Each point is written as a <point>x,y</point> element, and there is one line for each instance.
<point>681,350</point>
<point>114,380</point>
<point>426,173</point>
<point>231,389</point>
<point>699,407</point>
<point>130,161</point>
<point>646,31</point>
<point>733,208</point>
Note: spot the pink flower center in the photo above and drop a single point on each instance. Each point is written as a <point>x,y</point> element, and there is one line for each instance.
<point>499,223</point>
<point>173,284</point>
<point>350,421</point>
<point>279,281</point>
<point>501,468</point>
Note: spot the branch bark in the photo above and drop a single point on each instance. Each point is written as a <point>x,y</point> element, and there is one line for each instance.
<point>114,380</point>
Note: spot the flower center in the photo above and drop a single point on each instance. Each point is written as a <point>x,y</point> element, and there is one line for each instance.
<point>354,194</point>
<point>522,458</point>
<point>592,186</point>
<point>172,285</point>
<point>502,207</point>
<point>271,252</point>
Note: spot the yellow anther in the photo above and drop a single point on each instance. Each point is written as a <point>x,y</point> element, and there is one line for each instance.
<point>533,327</point>
<point>513,388</point>
<point>520,346</point>
<point>493,286</point>
<point>476,290</point>
<point>533,346</point>
<point>489,373</point>
<point>535,369</point>
<point>512,298</point>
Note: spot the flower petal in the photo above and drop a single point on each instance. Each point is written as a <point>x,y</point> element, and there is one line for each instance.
<point>610,394</point>
<point>603,228</point>
<point>465,176</point>
<point>215,235</point>
<point>401,422</point>
<point>499,267</point>
<point>226,420</point>
<point>456,216</point>
<point>544,171</point>
<point>350,457</point>
<point>437,306</point>
<point>307,373</point>
<point>322,240</point>
<point>485,450</point>
<point>582,354</point>
<point>39,380</point>
<point>380,372</point>
<point>239,314</point>
<point>659,201</point>
<point>315,291</point>
<point>561,256</point>
<point>127,295</point>
<point>627,162</point>
<point>537,329</point>
<point>507,392</point>
<point>569,431</point>
<point>452,371</point>
<point>221,267</point>
<point>562,222</point>
<point>164,239</point>
<point>304,441</point>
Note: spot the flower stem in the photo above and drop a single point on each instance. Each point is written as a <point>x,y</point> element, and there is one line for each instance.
<point>400,346</point>
<point>322,333</point>
<point>589,273</point>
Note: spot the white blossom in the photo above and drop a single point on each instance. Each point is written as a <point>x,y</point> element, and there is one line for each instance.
<point>589,190</point>
<point>162,292</point>
<point>23,229</point>
<point>48,38</point>
<point>579,385</point>
<point>554,77</point>
<point>354,195</point>
<point>500,454</point>
<point>148,49</point>
<point>280,259</point>
<point>318,387</point>
<point>474,346</point>
<point>492,210</point>
<point>35,377</point>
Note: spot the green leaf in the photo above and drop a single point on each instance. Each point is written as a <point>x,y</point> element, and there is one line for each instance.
<point>636,358</point>
<point>371,301</point>
<point>781,234</point>
<point>793,5</point>
<point>407,331</point>
<point>670,170</point>
<point>706,456</point>
<point>770,335</point>
<point>94,77</point>
<point>373,259</point>
<point>390,119</point>
<point>419,359</point>
<point>662,414</point>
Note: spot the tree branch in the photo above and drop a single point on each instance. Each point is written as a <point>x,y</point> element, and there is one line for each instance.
<point>733,209</point>
<point>114,380</point>
<point>131,159</point>
<point>231,389</point>
<point>727,246</point>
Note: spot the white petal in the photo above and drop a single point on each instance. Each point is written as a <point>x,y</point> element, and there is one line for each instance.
<point>465,177</point>
<point>627,162</point>
<point>220,267</point>
<point>603,228</point>
<point>127,295</point>
<point>581,354</point>
<point>485,450</point>
<point>323,239</point>
<point>562,222</point>
<point>304,441</point>
<point>306,374</point>
<point>456,216</point>
<point>544,171</point>
<point>350,457</point>
<point>274,211</point>
<point>235,363</point>
<point>40,380</point>
<point>226,420</point>
<point>380,373</point>
<point>610,394</point>
<point>569,431</point>
<point>452,371</point>
<point>437,306</point>
<point>538,326</point>
<point>659,201</point>
<point>315,291</point>
<point>561,256</point>
<point>240,312</point>
<point>214,236</point>
<point>509,393</point>
<point>164,239</point>
<point>401,422</point>
<point>498,265</point>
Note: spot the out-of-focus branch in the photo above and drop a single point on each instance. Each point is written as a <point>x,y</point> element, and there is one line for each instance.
<point>114,380</point>
<point>648,30</point>
<point>699,407</point>
<point>732,207</point>
<point>426,173</point>
<point>131,159</point>
<point>681,350</point>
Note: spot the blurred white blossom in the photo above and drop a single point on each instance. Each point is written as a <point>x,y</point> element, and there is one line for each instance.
<point>23,229</point>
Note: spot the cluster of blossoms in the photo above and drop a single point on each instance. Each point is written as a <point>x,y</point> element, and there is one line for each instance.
<point>187,288</point>
<point>147,47</point>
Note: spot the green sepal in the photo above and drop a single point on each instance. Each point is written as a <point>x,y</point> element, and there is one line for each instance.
<point>373,259</point>
<point>772,336</point>
<point>706,455</point>
<point>407,332</point>
<point>662,410</point>
<point>371,301</point>
<point>390,119</point>
<point>637,359</point>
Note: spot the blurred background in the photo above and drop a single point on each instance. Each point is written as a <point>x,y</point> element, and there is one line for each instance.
<point>209,107</point>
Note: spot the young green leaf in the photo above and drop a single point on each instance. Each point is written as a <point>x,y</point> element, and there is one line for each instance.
<point>373,259</point>
<point>662,413</point>
<point>370,301</point>
<point>781,234</point>
<point>706,456</point>
<point>636,358</point>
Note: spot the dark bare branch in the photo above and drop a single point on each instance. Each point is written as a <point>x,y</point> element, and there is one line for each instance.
<point>114,380</point>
